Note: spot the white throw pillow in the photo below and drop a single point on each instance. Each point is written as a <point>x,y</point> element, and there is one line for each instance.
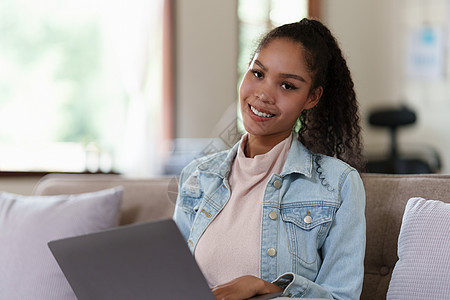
<point>28,269</point>
<point>423,269</point>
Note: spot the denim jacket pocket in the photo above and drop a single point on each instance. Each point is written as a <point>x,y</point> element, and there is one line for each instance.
<point>307,225</point>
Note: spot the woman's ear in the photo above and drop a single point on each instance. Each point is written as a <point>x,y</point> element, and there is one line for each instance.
<point>314,97</point>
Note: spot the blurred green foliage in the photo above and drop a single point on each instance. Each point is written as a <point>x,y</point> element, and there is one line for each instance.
<point>52,73</point>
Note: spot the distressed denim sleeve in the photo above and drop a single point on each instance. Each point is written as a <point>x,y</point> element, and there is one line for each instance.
<point>182,216</point>
<point>342,271</point>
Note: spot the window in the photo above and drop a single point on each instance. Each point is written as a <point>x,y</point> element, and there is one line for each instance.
<point>73,74</point>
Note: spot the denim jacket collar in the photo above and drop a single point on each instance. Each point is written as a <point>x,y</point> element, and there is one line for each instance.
<point>299,160</point>
<point>220,163</point>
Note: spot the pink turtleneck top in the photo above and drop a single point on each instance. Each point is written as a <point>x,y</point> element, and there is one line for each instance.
<point>230,247</point>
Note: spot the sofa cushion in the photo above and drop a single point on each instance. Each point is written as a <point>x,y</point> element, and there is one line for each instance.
<point>28,223</point>
<point>423,268</point>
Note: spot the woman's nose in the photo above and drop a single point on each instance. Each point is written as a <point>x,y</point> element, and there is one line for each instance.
<point>264,94</point>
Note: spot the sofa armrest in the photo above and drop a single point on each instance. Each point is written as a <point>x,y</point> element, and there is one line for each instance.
<point>386,198</point>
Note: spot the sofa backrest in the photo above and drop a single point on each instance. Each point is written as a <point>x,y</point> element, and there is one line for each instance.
<point>386,198</point>
<point>143,199</point>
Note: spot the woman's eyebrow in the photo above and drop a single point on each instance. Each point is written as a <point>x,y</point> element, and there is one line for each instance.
<point>293,76</point>
<point>260,65</point>
<point>284,75</point>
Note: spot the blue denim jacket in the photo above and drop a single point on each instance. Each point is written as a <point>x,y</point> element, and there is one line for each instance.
<point>313,223</point>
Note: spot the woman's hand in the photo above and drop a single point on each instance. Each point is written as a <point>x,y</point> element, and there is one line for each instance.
<point>244,287</point>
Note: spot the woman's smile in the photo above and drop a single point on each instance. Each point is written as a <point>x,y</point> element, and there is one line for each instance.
<point>261,113</point>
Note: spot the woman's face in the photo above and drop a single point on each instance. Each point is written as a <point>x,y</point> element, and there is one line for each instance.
<point>276,89</point>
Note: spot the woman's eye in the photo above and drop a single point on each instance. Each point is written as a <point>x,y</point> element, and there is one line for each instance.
<point>257,73</point>
<point>288,86</point>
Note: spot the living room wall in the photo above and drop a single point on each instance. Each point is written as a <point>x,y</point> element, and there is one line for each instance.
<point>206,54</point>
<point>373,36</point>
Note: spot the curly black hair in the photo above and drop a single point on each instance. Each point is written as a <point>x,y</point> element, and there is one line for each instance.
<point>332,126</point>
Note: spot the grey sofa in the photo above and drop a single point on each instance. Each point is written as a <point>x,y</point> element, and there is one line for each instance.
<point>386,197</point>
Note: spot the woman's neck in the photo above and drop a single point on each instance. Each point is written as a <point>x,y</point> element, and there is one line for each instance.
<point>257,145</point>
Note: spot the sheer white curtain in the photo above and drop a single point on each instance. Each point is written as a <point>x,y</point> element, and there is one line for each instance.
<point>134,31</point>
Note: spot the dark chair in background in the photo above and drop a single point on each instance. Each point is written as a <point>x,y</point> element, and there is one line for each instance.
<point>424,160</point>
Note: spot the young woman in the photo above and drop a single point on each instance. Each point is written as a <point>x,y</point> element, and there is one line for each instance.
<point>283,210</point>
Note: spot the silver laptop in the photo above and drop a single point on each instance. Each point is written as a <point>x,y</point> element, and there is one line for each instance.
<point>141,261</point>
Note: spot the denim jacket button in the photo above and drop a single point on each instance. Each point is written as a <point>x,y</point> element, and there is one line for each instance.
<point>271,252</point>
<point>273,215</point>
<point>308,219</point>
<point>277,184</point>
